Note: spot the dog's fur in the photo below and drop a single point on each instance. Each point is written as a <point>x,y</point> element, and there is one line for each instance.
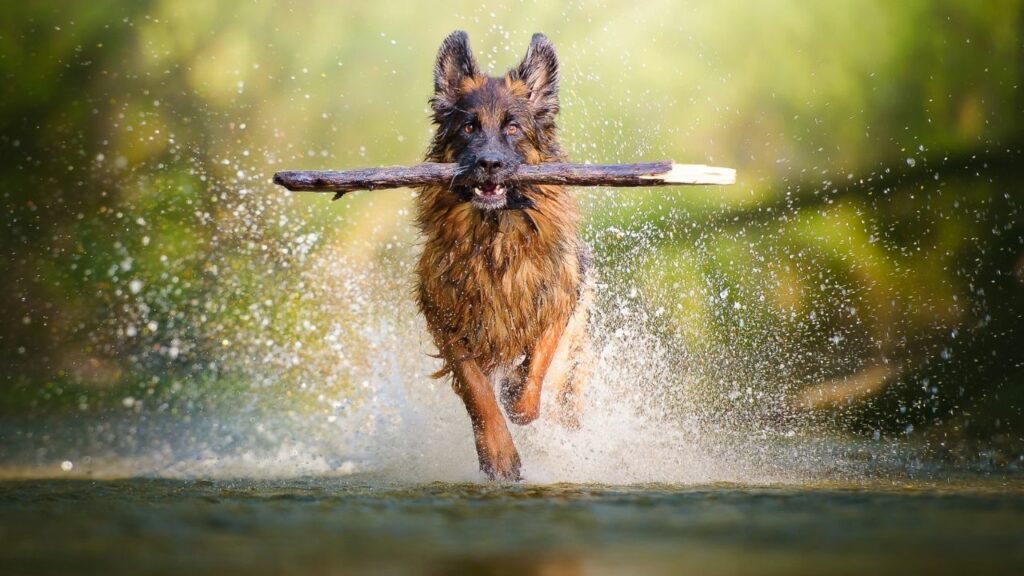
<point>502,280</point>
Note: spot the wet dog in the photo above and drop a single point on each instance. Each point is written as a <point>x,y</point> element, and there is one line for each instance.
<point>503,277</point>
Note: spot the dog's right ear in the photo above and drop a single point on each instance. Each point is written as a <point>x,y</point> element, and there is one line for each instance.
<point>455,62</point>
<point>539,71</point>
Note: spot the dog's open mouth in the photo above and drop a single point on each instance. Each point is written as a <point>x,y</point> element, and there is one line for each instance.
<point>489,195</point>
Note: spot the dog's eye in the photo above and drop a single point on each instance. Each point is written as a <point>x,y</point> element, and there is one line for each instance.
<point>468,128</point>
<point>512,129</point>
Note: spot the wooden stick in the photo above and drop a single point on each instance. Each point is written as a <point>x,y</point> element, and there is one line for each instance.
<point>663,173</point>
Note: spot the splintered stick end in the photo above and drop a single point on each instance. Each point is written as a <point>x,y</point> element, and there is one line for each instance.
<point>695,174</point>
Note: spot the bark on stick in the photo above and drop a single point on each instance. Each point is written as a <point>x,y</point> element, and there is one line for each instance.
<point>663,173</point>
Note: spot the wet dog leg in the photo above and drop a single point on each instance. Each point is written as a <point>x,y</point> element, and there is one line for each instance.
<point>498,456</point>
<point>521,389</point>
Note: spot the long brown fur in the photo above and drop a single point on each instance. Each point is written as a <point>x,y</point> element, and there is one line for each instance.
<point>498,287</point>
<point>494,281</point>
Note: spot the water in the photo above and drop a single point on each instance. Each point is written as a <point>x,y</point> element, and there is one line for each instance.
<point>369,524</point>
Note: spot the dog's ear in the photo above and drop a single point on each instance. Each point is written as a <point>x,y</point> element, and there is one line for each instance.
<point>454,63</point>
<point>539,71</point>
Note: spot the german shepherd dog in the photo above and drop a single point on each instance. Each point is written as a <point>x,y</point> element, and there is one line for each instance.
<point>503,277</point>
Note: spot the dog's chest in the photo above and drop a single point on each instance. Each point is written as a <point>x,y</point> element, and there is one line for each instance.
<point>499,286</point>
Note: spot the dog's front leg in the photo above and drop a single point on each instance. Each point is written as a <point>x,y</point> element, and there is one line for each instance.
<point>521,389</point>
<point>498,456</point>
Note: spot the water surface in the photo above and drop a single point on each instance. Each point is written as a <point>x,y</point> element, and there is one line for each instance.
<point>365,524</point>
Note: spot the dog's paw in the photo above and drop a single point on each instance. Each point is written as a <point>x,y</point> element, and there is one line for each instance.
<point>520,397</point>
<point>512,385</point>
<point>499,459</point>
<point>505,469</point>
<point>522,413</point>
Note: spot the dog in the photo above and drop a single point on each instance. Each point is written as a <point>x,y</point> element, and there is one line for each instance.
<point>504,280</point>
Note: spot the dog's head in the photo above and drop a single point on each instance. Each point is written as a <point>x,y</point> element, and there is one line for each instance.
<point>489,125</point>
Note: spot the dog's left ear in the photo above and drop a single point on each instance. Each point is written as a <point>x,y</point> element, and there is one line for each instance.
<point>539,71</point>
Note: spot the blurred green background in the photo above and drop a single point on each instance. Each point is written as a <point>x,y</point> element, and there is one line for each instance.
<point>866,273</point>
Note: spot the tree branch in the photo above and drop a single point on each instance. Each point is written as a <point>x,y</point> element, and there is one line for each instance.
<point>663,173</point>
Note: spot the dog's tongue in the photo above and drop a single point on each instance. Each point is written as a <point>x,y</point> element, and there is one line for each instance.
<point>488,188</point>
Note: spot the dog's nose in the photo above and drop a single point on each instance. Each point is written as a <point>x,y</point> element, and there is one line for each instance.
<point>489,164</point>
